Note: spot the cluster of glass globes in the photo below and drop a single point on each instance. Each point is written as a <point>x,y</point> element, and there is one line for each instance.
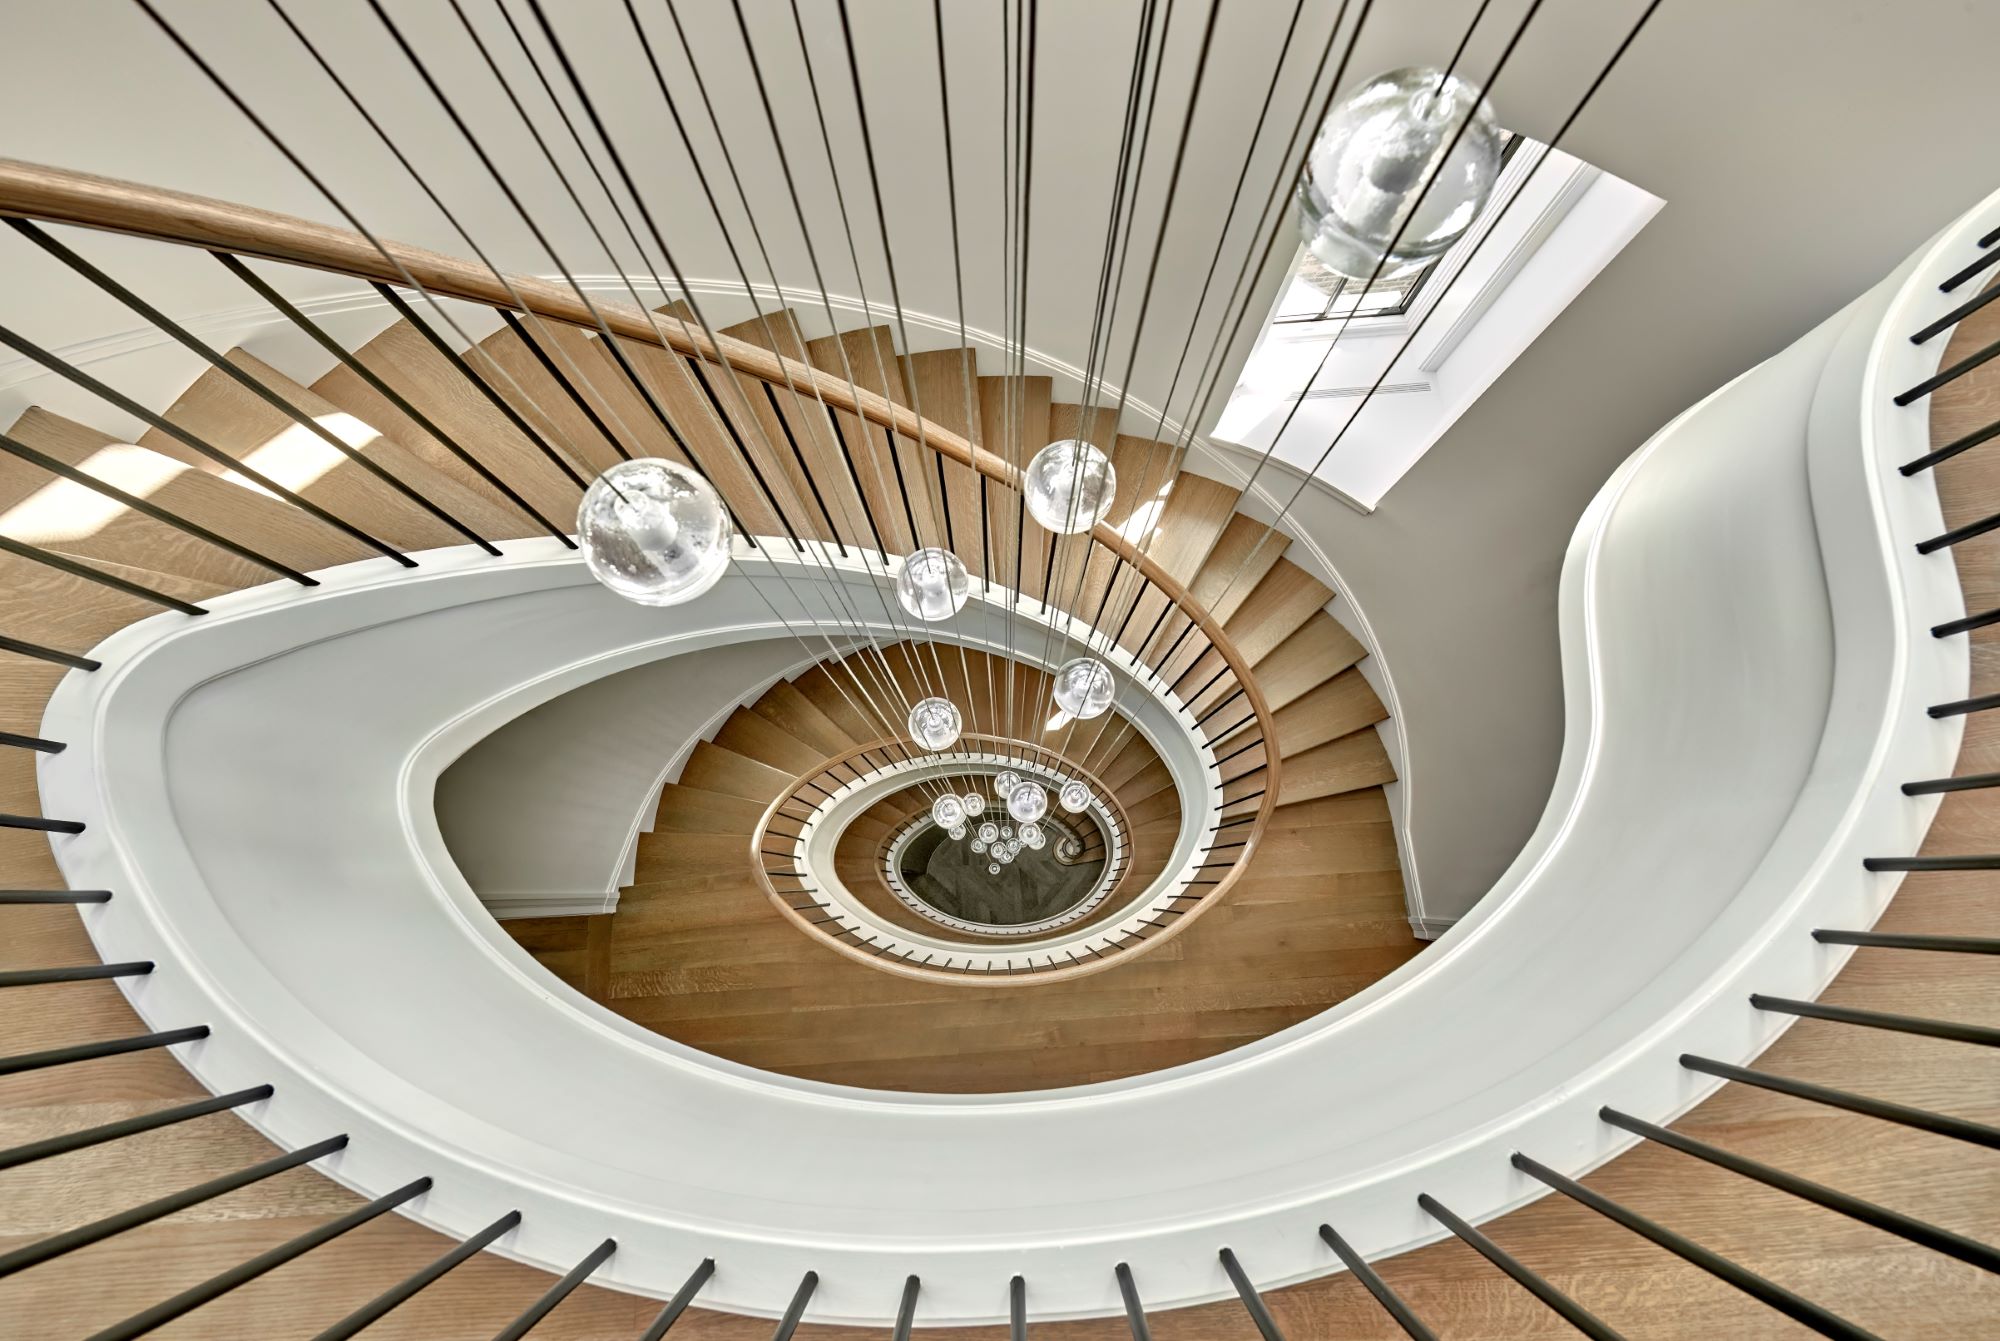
<point>1083,687</point>
<point>653,531</point>
<point>1398,171</point>
<point>1026,803</point>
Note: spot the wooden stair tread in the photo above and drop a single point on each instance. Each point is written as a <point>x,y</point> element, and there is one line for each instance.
<point>717,769</point>
<point>405,361</point>
<point>798,715</point>
<point>947,381</point>
<point>1281,603</point>
<point>693,810</point>
<point>231,418</point>
<point>757,737</point>
<point>1342,705</point>
<point>1319,649</point>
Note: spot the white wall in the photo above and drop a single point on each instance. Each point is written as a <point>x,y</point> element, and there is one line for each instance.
<point>541,815</point>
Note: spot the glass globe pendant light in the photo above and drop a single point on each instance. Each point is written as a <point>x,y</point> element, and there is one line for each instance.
<point>1032,835</point>
<point>934,723</point>
<point>989,833</point>
<point>1069,486</point>
<point>932,584</point>
<point>947,811</point>
<point>978,845</point>
<point>993,868</point>
<point>1028,802</point>
<point>1366,173</point>
<point>974,802</point>
<point>653,531</point>
<point>1005,782</point>
<point>957,831</point>
<point>1074,796</point>
<point>1083,687</point>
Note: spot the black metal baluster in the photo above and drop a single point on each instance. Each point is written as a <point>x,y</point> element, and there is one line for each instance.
<point>74,973</point>
<point>39,824</point>
<point>216,1286</point>
<point>676,1306</point>
<point>1920,1118</point>
<point>1968,623</point>
<point>1875,1019</point>
<point>558,1292</point>
<point>1135,1311</point>
<point>1794,1306</point>
<point>69,1240</point>
<point>1568,1309</point>
<point>85,1052</point>
<point>1946,376</point>
<point>24,896</point>
<point>906,1312</point>
<point>797,1308</point>
<point>49,654</point>
<point>1893,1222</point>
<point>1386,1297</point>
<point>1964,945</point>
<point>1956,315</point>
<point>1017,1294</point>
<point>159,514</point>
<point>1253,1303</point>
<point>1970,861</point>
<point>1970,782</point>
<point>411,1286</point>
<point>1962,276</point>
<point>48,559</point>
<point>132,1126</point>
<point>1963,443</point>
<point>8,738</point>
<point>1958,533</point>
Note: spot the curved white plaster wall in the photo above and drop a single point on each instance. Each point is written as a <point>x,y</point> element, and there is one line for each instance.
<point>543,816</point>
<point>1743,623</point>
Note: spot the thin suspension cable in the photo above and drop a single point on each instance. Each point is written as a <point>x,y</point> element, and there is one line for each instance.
<point>1159,241</point>
<point>353,220</point>
<point>680,126</point>
<point>666,253</point>
<point>1464,126</point>
<point>1272,221</point>
<point>1104,310</point>
<point>889,436</point>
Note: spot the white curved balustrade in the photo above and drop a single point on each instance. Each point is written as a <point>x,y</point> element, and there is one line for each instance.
<point>1742,615</point>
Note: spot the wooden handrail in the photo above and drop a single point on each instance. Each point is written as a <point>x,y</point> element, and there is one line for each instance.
<point>59,195</point>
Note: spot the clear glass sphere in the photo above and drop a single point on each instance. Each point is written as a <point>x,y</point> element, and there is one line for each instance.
<point>932,584</point>
<point>975,803</point>
<point>1366,173</point>
<point>1069,486</point>
<point>993,868</point>
<point>934,723</point>
<point>989,832</point>
<point>978,845</point>
<point>1034,838</point>
<point>1006,831</point>
<point>957,831</point>
<point>653,531</point>
<point>1004,782</point>
<point>1027,802</point>
<point>947,810</point>
<point>1029,832</point>
<point>1003,855</point>
<point>1083,687</point>
<point>1074,796</point>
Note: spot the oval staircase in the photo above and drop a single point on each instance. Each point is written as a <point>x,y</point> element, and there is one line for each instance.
<point>1315,917</point>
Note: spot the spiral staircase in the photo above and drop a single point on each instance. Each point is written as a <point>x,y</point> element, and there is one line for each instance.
<point>129,1183</point>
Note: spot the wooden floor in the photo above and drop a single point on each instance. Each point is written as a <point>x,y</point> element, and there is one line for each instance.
<point>1898,1291</point>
